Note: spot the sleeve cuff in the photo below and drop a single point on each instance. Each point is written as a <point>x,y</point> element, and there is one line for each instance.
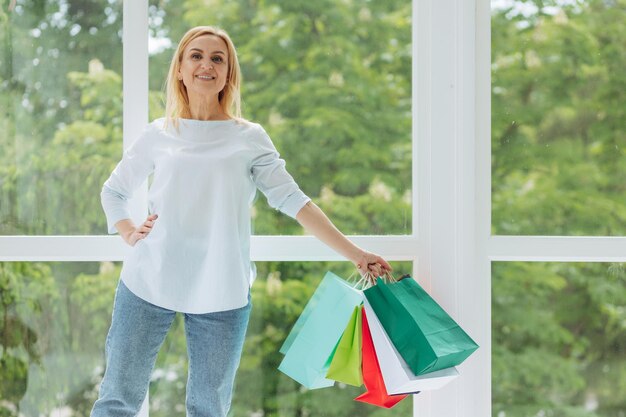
<point>114,218</point>
<point>294,203</point>
<point>115,208</point>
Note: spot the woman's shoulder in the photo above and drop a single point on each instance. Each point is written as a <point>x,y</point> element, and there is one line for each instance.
<point>248,128</point>
<point>158,123</point>
<point>247,124</point>
<point>257,132</point>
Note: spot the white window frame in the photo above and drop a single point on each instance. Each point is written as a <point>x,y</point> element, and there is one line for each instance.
<point>450,244</point>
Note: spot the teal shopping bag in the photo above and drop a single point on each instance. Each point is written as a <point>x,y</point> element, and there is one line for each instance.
<point>426,337</point>
<point>309,351</point>
<point>320,292</point>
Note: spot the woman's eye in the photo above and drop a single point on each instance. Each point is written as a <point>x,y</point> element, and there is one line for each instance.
<point>195,55</point>
<point>217,59</point>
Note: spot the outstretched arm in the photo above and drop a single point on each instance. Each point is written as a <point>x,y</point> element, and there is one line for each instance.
<point>313,219</point>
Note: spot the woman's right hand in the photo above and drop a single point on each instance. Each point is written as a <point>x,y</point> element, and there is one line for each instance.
<point>140,232</point>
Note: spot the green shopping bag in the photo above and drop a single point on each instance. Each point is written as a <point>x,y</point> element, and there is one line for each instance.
<point>345,365</point>
<point>426,337</point>
<point>310,349</point>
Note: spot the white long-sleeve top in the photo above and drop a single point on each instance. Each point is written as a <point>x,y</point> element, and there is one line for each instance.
<point>196,259</point>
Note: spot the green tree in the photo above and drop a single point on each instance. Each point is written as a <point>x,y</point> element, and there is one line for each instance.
<point>558,164</point>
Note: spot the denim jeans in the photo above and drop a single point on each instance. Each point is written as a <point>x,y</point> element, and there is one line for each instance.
<point>138,329</point>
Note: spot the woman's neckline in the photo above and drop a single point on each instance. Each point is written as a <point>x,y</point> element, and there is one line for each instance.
<point>206,121</point>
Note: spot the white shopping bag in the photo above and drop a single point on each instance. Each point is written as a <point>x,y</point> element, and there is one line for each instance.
<point>396,373</point>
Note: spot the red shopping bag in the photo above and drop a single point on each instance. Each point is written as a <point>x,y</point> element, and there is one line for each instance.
<point>376,393</point>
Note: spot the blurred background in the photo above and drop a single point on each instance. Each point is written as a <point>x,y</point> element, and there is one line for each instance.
<point>331,83</point>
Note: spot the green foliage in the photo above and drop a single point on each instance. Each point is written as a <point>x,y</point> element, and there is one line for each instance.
<point>23,286</point>
<point>557,164</point>
<point>558,107</point>
<point>331,82</point>
<point>559,338</point>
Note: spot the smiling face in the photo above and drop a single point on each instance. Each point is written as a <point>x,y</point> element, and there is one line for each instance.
<point>204,66</point>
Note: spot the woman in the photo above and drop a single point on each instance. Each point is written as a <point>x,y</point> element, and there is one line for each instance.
<point>191,255</point>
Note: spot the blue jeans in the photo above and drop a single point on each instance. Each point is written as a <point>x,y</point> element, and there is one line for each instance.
<point>138,329</point>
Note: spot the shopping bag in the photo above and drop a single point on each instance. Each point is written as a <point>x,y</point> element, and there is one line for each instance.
<point>345,365</point>
<point>324,286</point>
<point>396,373</point>
<point>309,353</point>
<point>376,393</point>
<point>426,337</point>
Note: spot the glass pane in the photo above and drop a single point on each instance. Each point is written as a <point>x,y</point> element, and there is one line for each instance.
<point>559,339</point>
<point>278,295</point>
<point>558,100</point>
<point>55,317</point>
<point>331,84</point>
<point>61,124</point>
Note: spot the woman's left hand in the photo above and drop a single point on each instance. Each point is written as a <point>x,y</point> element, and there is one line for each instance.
<point>373,263</point>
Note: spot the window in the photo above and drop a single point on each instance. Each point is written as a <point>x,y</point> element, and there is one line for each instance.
<point>558,338</point>
<point>557,203</point>
<point>61,125</point>
<point>557,118</point>
<point>63,136</point>
<point>529,204</point>
<point>279,296</point>
<point>58,315</point>
<point>331,84</point>
<point>55,317</point>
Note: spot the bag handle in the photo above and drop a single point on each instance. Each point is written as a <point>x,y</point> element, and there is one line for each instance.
<point>368,279</point>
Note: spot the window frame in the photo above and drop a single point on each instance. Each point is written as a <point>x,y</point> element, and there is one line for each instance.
<point>512,248</point>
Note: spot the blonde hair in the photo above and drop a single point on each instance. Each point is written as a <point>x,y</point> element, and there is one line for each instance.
<point>177,101</point>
